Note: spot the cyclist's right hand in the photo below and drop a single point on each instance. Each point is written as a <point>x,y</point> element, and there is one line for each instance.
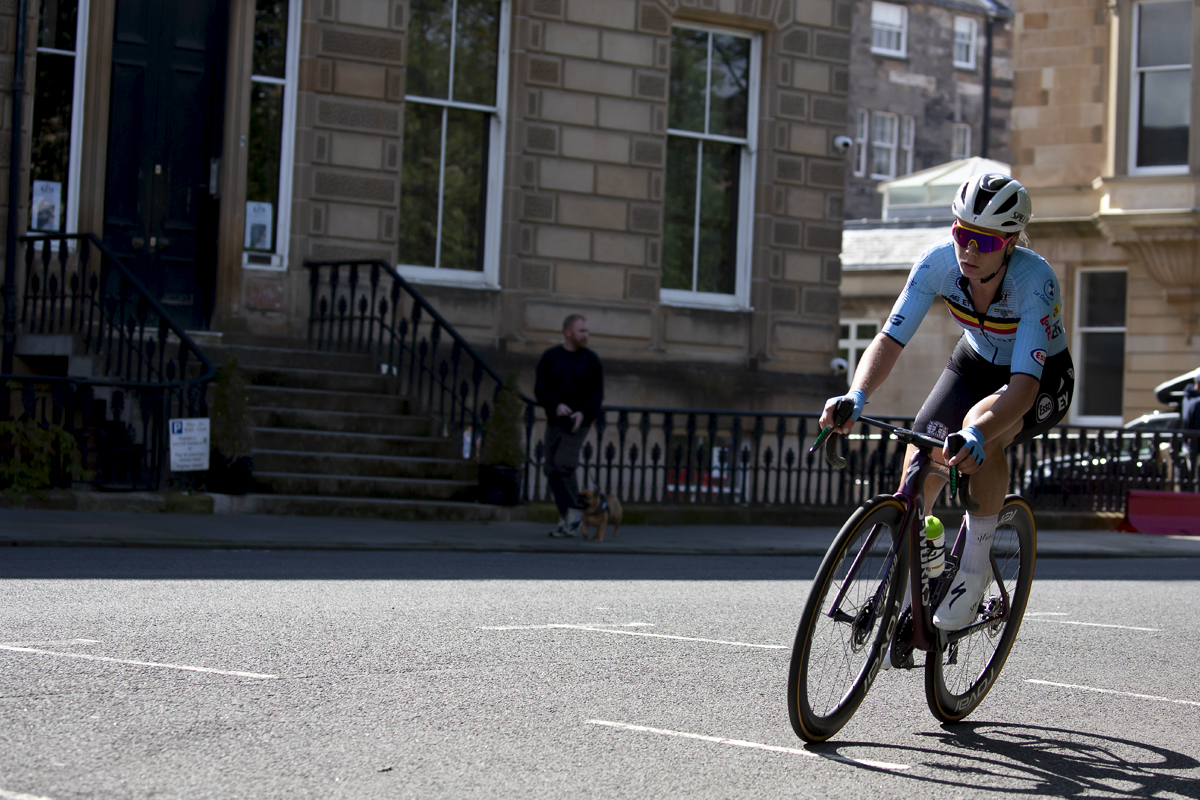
<point>856,396</point>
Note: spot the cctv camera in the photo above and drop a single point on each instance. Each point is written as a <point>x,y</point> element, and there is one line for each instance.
<point>839,366</point>
<point>842,144</point>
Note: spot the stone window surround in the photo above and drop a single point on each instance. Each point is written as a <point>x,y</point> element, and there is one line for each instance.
<point>489,278</point>
<point>861,127</point>
<point>70,222</point>
<point>740,299</point>
<point>287,152</point>
<point>1075,416</point>
<point>1120,96</point>
<point>854,345</point>
<point>908,142</point>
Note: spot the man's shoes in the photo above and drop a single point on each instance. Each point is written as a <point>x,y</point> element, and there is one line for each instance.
<point>567,530</point>
<point>960,606</point>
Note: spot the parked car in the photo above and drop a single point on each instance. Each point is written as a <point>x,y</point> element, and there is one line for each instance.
<point>1170,393</point>
<point>1155,421</point>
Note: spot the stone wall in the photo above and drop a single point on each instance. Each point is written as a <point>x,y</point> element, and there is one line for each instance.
<point>1060,91</point>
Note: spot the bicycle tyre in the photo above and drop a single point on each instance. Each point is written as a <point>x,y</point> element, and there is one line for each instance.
<point>818,704</point>
<point>956,683</point>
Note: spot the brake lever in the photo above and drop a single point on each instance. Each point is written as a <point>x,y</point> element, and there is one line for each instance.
<point>830,437</point>
<point>958,481</point>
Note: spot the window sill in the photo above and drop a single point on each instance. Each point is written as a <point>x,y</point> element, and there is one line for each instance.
<point>903,55</point>
<point>964,66</point>
<point>432,276</point>
<point>1174,169</point>
<point>681,298</point>
<point>266,262</point>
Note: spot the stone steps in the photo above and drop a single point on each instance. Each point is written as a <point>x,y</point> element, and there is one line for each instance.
<point>332,439</point>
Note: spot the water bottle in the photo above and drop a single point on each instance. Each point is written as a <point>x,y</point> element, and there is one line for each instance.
<point>933,556</point>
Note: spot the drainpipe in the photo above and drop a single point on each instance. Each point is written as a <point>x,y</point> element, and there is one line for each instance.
<point>14,193</point>
<point>987,86</point>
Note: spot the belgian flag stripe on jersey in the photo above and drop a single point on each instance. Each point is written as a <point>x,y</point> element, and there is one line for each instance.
<point>990,325</point>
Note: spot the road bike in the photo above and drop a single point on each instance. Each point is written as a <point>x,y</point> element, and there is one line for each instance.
<point>853,612</point>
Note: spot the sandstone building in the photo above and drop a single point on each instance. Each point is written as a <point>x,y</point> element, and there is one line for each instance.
<point>667,167</point>
<point>924,76</point>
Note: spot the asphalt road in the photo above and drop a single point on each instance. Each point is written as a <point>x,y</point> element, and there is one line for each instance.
<point>233,674</point>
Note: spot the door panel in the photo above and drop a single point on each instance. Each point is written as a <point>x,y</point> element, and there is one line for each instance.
<point>164,128</point>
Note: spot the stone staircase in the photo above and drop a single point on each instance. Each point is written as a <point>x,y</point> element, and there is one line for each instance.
<point>332,439</point>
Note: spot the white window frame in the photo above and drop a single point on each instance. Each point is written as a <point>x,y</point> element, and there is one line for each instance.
<point>861,134</point>
<point>489,278</point>
<point>878,144</point>
<point>1078,418</point>
<point>971,41</point>
<point>903,31</point>
<point>740,299</point>
<point>960,131</point>
<point>1135,101</point>
<point>854,344</point>
<point>908,138</point>
<point>287,149</point>
<point>75,152</point>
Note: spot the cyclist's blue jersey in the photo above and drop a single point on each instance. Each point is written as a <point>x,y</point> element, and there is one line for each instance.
<point>1021,328</point>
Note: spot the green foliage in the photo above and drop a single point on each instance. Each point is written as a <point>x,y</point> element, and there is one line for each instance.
<point>502,445</point>
<point>232,428</point>
<point>29,454</point>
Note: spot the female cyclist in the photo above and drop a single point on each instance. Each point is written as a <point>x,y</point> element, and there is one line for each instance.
<point>1010,378</point>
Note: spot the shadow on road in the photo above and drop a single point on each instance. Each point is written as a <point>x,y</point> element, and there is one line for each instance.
<point>1034,760</point>
<point>132,563</point>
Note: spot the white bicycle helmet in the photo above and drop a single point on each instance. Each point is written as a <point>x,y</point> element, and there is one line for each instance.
<point>993,201</point>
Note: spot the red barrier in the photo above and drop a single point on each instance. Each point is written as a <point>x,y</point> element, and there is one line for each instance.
<point>1163,513</point>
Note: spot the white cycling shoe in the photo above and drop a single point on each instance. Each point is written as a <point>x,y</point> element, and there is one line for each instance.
<point>960,607</point>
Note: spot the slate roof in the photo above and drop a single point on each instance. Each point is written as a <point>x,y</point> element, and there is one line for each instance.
<point>887,247</point>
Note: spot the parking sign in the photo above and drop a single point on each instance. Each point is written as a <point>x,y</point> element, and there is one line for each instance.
<point>189,444</point>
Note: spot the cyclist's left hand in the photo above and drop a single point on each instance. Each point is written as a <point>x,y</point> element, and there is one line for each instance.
<point>969,457</point>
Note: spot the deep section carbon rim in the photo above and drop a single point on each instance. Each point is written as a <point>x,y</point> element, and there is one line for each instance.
<point>836,656</point>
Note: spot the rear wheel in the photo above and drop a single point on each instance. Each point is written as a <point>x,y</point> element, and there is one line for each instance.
<point>839,648</point>
<point>957,679</point>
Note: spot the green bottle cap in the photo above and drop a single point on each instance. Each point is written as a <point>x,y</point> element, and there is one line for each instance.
<point>933,528</point>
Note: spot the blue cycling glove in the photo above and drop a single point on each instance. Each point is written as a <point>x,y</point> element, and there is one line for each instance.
<point>857,395</point>
<point>973,442</point>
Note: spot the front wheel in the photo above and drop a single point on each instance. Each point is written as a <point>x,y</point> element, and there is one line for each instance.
<point>848,620</point>
<point>957,679</point>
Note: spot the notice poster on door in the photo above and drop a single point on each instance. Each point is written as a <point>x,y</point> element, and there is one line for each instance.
<point>258,225</point>
<point>47,206</point>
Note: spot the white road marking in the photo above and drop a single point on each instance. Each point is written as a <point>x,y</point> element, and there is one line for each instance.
<point>1113,691</point>
<point>52,642</point>
<point>185,667</point>
<point>7,795</point>
<point>1046,614</point>
<point>1101,625</point>
<point>749,745</point>
<point>632,633</point>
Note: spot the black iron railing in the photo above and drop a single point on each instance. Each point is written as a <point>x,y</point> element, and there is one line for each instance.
<point>142,369</point>
<point>665,455</point>
<point>367,307</point>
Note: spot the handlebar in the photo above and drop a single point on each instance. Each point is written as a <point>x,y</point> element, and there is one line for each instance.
<point>954,443</point>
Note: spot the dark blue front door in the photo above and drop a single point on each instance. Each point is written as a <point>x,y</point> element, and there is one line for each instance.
<point>160,214</point>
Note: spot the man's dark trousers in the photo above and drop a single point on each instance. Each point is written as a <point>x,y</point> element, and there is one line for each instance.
<point>562,459</point>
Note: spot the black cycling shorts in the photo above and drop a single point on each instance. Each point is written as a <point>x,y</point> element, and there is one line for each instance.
<point>969,378</point>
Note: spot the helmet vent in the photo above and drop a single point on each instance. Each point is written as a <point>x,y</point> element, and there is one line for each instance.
<point>1008,204</point>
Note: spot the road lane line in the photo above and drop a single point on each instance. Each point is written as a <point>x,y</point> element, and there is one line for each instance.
<point>7,795</point>
<point>633,633</point>
<point>770,748</point>
<point>1100,625</point>
<point>1114,691</point>
<point>185,667</point>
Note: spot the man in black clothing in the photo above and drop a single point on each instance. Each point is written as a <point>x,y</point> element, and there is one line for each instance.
<point>570,386</point>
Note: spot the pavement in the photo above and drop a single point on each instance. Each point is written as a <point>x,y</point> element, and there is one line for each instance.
<point>58,528</point>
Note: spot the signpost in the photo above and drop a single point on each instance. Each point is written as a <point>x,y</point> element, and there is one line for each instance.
<point>189,444</point>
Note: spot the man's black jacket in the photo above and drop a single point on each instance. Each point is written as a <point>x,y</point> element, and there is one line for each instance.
<point>575,378</point>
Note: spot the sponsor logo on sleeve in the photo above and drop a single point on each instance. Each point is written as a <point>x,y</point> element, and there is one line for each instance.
<point>1057,311</point>
<point>1049,289</point>
<point>896,319</point>
<point>1046,324</point>
<point>1063,400</point>
<point>1039,356</point>
<point>1045,407</point>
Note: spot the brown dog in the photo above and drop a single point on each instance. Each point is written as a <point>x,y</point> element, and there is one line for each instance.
<point>599,510</point>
